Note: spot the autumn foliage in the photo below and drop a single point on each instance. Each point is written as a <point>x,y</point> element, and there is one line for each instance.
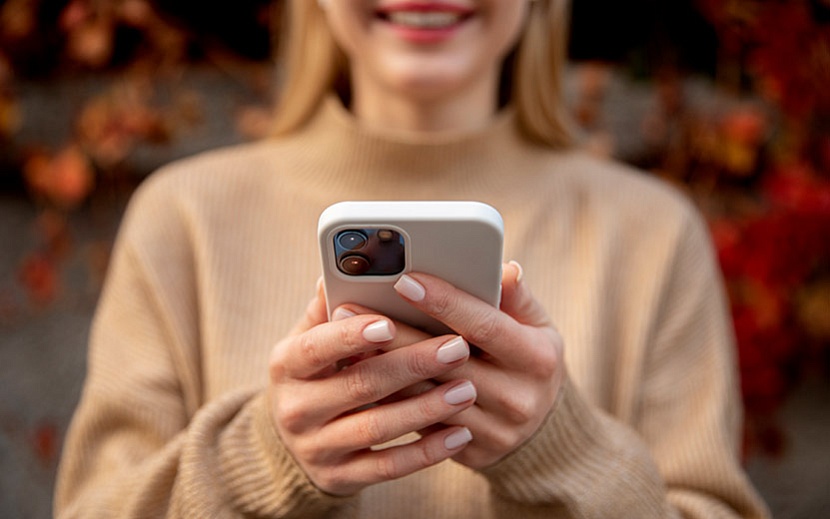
<point>769,187</point>
<point>131,55</point>
<point>758,165</point>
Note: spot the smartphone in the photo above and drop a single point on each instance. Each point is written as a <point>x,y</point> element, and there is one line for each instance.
<point>366,246</point>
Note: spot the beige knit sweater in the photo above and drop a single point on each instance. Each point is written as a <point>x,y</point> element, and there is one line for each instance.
<point>217,259</point>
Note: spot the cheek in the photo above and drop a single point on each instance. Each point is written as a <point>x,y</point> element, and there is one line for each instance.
<point>506,26</point>
<point>348,28</point>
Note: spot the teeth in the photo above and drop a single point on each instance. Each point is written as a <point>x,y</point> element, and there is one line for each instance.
<point>421,20</point>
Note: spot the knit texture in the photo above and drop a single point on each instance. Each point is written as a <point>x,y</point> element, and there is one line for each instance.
<point>217,259</point>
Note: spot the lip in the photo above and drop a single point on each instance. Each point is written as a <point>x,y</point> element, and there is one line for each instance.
<point>441,7</point>
<point>424,35</point>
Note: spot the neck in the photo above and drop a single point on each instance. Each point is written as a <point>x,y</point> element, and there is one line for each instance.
<point>471,110</point>
<point>363,162</point>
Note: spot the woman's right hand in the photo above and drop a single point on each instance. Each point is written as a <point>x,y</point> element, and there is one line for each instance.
<point>330,418</point>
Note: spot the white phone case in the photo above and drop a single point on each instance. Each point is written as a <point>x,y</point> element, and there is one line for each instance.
<point>460,242</point>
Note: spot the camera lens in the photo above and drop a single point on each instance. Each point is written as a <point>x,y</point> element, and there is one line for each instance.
<point>351,240</point>
<point>354,264</point>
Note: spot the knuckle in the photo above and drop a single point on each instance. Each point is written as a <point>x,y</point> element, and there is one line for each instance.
<point>547,364</point>
<point>310,350</point>
<point>276,369</point>
<point>419,364</point>
<point>549,356</point>
<point>358,387</point>
<point>488,332</point>
<point>427,455</point>
<point>429,409</point>
<point>332,480</point>
<point>524,411</point>
<point>442,303</point>
<point>346,335</point>
<point>306,453</point>
<point>386,468</point>
<point>277,362</point>
<point>370,431</point>
<point>517,410</point>
<point>291,415</point>
<point>502,440</point>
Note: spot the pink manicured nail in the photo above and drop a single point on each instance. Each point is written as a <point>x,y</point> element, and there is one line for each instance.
<point>410,289</point>
<point>341,313</point>
<point>453,350</point>
<point>458,439</point>
<point>378,331</point>
<point>521,273</point>
<point>460,394</point>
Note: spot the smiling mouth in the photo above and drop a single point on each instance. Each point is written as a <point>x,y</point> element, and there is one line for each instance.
<point>424,19</point>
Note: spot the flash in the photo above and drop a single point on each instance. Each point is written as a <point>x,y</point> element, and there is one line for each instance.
<point>386,235</point>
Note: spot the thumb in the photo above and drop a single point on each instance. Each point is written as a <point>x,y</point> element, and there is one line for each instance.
<point>315,312</point>
<point>516,299</point>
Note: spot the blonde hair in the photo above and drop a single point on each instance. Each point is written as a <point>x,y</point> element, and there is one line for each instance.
<point>313,66</point>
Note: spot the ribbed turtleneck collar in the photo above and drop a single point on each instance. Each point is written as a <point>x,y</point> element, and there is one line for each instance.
<point>337,152</point>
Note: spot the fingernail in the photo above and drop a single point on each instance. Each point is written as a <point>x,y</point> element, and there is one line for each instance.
<point>521,273</point>
<point>378,331</point>
<point>458,439</point>
<point>410,289</point>
<point>453,350</point>
<point>341,313</point>
<point>460,394</point>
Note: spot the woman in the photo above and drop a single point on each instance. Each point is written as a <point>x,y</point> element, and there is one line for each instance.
<point>190,410</point>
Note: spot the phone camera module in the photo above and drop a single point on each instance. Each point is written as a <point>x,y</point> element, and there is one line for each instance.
<point>369,251</point>
<point>354,264</point>
<point>351,240</point>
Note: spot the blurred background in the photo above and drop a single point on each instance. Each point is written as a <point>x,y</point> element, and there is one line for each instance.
<point>727,99</point>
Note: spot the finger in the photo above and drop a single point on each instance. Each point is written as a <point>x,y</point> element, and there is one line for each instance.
<point>517,300</point>
<point>376,378</point>
<point>318,348</point>
<point>496,435</point>
<point>384,423</point>
<point>506,393</point>
<point>492,439</point>
<point>497,387</point>
<point>416,389</point>
<point>315,312</point>
<point>493,331</point>
<point>372,467</point>
<point>405,334</point>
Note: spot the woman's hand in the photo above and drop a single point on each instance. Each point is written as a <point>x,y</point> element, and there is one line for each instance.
<point>519,373</point>
<point>327,418</point>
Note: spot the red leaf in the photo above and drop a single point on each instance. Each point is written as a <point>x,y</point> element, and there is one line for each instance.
<point>44,443</point>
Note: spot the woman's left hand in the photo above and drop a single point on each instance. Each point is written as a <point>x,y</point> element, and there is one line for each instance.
<point>520,369</point>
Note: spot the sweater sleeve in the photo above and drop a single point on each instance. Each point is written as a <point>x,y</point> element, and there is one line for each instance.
<point>679,456</point>
<point>142,442</point>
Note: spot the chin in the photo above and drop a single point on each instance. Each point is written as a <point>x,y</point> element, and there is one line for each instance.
<point>428,82</point>
<point>426,88</point>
